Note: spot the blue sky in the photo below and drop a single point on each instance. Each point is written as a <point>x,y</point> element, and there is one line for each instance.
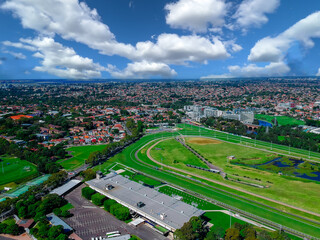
<point>129,39</point>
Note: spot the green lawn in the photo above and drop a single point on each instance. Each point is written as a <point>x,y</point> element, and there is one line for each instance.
<point>282,120</point>
<point>221,219</point>
<point>299,192</point>
<point>173,153</point>
<point>15,170</point>
<point>67,207</point>
<point>79,155</point>
<point>141,178</point>
<point>214,191</point>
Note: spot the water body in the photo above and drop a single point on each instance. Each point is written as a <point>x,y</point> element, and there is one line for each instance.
<point>287,167</point>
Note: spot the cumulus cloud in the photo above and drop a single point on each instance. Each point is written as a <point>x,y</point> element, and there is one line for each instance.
<point>273,49</point>
<point>15,54</point>
<point>252,13</point>
<point>252,70</point>
<point>74,20</point>
<point>196,15</point>
<point>59,60</point>
<point>318,74</point>
<point>174,49</point>
<point>142,70</point>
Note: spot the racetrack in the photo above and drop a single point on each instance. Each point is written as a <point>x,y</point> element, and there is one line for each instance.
<point>222,184</point>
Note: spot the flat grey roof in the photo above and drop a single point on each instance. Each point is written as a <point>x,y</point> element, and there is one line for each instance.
<point>66,187</point>
<point>156,203</point>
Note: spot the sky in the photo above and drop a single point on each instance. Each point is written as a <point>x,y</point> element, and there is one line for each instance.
<point>141,39</point>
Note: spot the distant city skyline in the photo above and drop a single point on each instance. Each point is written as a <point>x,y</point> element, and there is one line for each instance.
<point>128,39</point>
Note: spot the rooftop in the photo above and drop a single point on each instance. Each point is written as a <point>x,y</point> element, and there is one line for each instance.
<point>66,187</point>
<point>159,207</point>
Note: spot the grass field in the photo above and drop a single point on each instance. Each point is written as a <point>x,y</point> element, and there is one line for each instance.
<point>67,207</point>
<point>280,188</point>
<point>214,191</point>
<point>221,219</point>
<point>282,120</point>
<point>79,155</point>
<point>14,170</point>
<point>171,152</point>
<point>141,178</point>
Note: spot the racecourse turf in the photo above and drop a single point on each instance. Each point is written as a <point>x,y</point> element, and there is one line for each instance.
<point>127,157</point>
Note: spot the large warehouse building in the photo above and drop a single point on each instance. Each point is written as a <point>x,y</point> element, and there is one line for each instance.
<point>162,209</point>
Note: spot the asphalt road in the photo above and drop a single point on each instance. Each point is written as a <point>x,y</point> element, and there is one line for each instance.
<point>91,221</point>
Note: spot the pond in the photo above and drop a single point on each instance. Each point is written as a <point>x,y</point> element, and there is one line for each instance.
<point>291,167</point>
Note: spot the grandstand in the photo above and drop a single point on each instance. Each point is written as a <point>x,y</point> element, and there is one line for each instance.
<point>157,207</point>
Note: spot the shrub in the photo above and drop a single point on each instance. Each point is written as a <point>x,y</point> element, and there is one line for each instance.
<point>108,203</point>
<point>98,199</point>
<point>87,192</point>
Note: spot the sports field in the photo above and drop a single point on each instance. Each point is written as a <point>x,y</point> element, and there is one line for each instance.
<point>79,155</point>
<point>230,197</point>
<point>14,169</point>
<point>282,120</point>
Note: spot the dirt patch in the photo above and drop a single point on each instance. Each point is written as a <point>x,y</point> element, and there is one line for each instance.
<point>203,141</point>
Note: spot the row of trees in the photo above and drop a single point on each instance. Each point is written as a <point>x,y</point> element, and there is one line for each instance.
<point>291,136</point>
<point>110,205</point>
<point>195,229</point>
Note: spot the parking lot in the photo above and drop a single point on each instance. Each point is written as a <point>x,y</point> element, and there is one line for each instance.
<point>91,221</point>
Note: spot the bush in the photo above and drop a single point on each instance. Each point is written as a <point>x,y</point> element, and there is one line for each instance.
<point>98,199</point>
<point>108,203</point>
<point>87,192</point>
<point>120,212</point>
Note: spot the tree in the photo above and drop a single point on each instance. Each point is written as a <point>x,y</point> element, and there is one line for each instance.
<point>65,214</point>
<point>62,237</point>
<point>88,174</point>
<point>232,234</point>
<point>55,231</point>
<point>87,192</point>
<point>108,203</point>
<point>191,230</point>
<point>98,199</point>
<point>264,235</point>
<point>13,229</point>
<point>122,213</point>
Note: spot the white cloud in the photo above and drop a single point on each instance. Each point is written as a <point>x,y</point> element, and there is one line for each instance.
<point>174,49</point>
<point>15,54</point>
<point>19,45</point>
<point>62,61</point>
<point>196,15</point>
<point>252,70</point>
<point>252,13</point>
<point>318,74</point>
<point>274,49</point>
<point>142,70</point>
<point>0,62</point>
<point>76,21</point>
